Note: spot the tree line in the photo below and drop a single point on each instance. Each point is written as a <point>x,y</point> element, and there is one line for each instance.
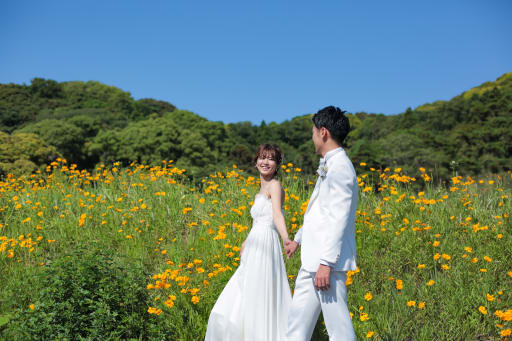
<point>89,123</point>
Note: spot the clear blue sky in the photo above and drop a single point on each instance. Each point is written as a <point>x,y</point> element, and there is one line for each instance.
<point>262,60</point>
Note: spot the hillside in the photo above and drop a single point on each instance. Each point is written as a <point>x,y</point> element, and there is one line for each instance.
<point>90,123</point>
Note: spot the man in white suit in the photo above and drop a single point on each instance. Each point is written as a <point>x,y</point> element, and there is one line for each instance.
<point>327,237</point>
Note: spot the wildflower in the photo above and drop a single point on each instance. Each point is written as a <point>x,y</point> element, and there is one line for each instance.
<point>368,296</point>
<point>506,332</point>
<point>482,310</point>
<point>195,299</point>
<point>490,298</point>
<point>421,266</point>
<point>399,284</point>
<point>363,317</point>
<point>421,305</point>
<point>411,303</point>
<point>155,311</point>
<point>504,316</point>
<point>369,334</point>
<point>431,283</point>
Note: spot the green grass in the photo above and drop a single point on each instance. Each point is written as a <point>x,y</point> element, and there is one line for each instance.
<point>138,213</point>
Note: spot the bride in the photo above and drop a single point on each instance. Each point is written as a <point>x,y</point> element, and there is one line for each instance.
<point>254,303</point>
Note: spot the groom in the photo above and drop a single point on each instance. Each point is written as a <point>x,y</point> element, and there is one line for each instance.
<point>327,237</point>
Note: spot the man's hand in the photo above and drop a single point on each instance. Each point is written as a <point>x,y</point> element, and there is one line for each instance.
<point>322,278</point>
<point>291,246</point>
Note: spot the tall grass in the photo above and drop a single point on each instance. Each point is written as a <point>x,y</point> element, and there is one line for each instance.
<point>433,261</point>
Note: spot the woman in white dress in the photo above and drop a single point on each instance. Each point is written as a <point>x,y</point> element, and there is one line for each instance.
<point>254,303</point>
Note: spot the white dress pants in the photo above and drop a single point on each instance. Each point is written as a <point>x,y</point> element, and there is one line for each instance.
<point>308,302</point>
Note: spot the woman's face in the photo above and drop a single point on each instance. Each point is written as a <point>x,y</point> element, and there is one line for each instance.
<point>266,164</point>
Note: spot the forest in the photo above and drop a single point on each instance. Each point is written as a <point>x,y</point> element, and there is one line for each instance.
<point>90,123</point>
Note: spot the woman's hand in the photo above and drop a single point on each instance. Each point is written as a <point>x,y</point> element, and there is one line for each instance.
<point>286,241</point>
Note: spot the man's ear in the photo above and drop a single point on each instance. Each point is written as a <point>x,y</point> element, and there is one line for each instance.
<point>324,133</point>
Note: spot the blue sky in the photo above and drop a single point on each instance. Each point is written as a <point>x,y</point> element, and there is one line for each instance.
<point>267,60</point>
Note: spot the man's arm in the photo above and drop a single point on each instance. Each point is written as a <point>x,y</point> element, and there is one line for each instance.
<point>335,205</point>
<point>298,236</point>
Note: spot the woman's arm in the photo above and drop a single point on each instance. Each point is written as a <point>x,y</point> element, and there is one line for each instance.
<point>276,195</point>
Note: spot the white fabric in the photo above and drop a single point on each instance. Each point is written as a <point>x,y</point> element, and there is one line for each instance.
<point>308,302</point>
<point>326,237</point>
<point>255,302</point>
<point>328,231</point>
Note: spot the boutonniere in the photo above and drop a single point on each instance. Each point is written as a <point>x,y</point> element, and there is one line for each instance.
<point>322,171</point>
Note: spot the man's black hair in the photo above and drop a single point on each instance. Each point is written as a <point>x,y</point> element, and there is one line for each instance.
<point>334,120</point>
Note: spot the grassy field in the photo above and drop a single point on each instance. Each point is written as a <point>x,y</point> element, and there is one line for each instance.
<point>434,261</point>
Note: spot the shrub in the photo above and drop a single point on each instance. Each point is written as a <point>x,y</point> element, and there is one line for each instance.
<point>86,295</point>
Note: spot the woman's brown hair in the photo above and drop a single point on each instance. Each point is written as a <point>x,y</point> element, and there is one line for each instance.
<point>271,150</point>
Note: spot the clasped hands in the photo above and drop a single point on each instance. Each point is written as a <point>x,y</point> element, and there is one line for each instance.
<point>290,247</point>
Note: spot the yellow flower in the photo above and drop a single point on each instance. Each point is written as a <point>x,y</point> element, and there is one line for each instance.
<point>431,283</point>
<point>506,332</point>
<point>490,298</point>
<point>195,299</point>
<point>445,267</point>
<point>421,266</point>
<point>504,316</point>
<point>399,284</point>
<point>421,305</point>
<point>489,259</point>
<point>363,317</point>
<point>411,303</point>
<point>368,296</point>
<point>369,334</point>
<point>482,310</point>
<point>31,307</point>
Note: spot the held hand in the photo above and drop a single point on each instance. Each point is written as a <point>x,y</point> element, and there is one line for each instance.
<point>291,248</point>
<point>322,278</point>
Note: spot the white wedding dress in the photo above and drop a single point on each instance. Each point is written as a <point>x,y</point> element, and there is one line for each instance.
<point>254,303</point>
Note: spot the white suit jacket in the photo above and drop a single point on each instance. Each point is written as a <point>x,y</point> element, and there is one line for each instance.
<point>327,235</point>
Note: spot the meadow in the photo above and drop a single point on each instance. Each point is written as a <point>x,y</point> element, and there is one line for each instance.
<point>434,260</point>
